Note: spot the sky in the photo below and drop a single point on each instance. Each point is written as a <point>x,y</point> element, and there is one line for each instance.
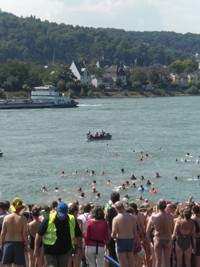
<point>179,16</point>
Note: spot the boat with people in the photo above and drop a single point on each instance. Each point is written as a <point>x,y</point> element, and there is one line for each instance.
<point>99,136</point>
<point>41,97</point>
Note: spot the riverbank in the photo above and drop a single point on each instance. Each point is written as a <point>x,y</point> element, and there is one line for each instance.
<point>114,94</point>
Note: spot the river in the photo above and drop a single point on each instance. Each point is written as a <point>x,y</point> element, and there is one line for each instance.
<point>39,144</point>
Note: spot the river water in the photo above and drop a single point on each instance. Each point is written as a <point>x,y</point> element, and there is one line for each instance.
<point>39,144</point>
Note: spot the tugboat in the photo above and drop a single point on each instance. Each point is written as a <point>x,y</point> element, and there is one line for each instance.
<point>41,97</point>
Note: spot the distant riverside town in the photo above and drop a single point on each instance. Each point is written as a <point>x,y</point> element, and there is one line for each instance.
<point>103,77</point>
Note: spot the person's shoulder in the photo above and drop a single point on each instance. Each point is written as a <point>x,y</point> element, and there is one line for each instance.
<point>8,217</point>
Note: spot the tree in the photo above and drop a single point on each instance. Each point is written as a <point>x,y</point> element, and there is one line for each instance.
<point>138,75</point>
<point>154,77</point>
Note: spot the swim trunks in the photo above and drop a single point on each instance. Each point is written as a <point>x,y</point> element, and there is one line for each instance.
<point>162,242</point>
<point>13,252</point>
<point>125,245</point>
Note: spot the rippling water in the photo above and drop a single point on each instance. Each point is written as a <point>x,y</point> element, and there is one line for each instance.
<point>39,144</point>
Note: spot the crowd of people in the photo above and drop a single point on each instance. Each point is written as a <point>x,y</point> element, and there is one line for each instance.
<point>120,233</point>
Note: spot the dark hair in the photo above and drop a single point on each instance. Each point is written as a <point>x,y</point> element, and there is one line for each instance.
<point>2,205</point>
<point>7,204</point>
<point>97,213</point>
<point>130,210</point>
<point>196,209</point>
<point>73,208</point>
<point>87,207</point>
<point>187,213</point>
<point>161,204</point>
<point>26,214</point>
<point>134,206</point>
<point>54,204</point>
<point>35,211</point>
<point>114,196</point>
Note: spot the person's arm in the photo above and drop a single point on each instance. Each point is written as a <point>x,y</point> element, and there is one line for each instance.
<point>106,231</point>
<point>3,234</point>
<point>78,237</point>
<point>25,234</point>
<point>175,230</point>
<point>114,229</point>
<point>38,237</point>
<point>193,238</point>
<point>149,226</point>
<point>38,240</point>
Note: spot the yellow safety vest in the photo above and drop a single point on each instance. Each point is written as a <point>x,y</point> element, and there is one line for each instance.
<point>50,236</point>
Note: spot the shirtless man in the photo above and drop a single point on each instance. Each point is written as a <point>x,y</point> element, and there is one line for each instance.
<point>14,236</point>
<point>124,230</point>
<point>163,225</point>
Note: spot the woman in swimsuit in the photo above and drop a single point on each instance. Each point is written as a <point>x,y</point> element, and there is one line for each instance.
<point>184,234</point>
<point>32,230</point>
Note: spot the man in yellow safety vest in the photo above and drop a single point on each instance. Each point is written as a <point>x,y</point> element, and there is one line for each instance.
<point>60,234</point>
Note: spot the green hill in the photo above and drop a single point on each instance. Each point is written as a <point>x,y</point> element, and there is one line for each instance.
<point>30,39</point>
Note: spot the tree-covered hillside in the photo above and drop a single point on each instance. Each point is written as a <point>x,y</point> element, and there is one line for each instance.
<point>30,39</point>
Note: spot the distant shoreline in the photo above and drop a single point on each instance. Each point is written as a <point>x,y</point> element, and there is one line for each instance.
<point>112,94</point>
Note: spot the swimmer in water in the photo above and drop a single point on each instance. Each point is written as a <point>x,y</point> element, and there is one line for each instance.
<point>148,182</point>
<point>63,173</point>
<point>56,189</point>
<point>141,188</point>
<point>82,195</point>
<point>133,185</point>
<point>44,189</point>
<point>75,172</point>
<point>92,173</point>
<point>94,190</point>
<point>157,175</point>
<point>102,172</point>
<point>79,189</point>
<point>133,177</point>
<point>94,183</point>
<point>98,195</point>
<point>108,182</point>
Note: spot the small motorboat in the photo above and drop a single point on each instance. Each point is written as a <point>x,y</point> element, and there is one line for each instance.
<point>98,136</point>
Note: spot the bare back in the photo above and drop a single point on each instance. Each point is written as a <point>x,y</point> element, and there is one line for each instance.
<point>33,227</point>
<point>124,226</point>
<point>164,224</point>
<point>14,228</point>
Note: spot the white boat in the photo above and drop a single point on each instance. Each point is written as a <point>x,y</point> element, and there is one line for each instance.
<point>41,97</point>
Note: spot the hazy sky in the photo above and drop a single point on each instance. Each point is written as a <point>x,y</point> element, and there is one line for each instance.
<point>132,15</point>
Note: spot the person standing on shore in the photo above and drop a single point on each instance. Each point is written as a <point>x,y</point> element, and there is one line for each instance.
<point>163,224</point>
<point>110,213</point>
<point>60,233</point>
<point>124,230</point>
<point>14,236</point>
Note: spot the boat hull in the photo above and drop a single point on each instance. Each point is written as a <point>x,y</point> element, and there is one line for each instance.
<point>97,138</point>
<point>32,105</point>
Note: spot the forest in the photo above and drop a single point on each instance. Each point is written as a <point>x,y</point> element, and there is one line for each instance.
<point>33,40</point>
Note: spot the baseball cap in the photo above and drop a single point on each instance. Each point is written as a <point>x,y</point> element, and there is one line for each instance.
<point>62,209</point>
